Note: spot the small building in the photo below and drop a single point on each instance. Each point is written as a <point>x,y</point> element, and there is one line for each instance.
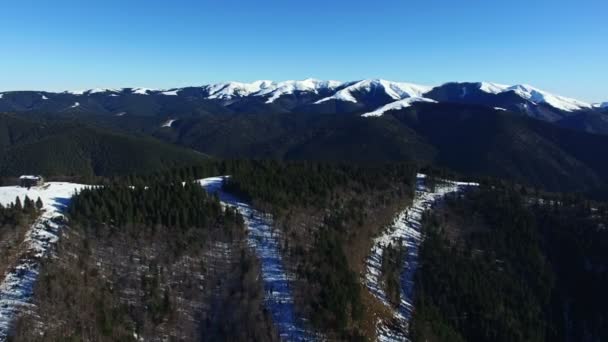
<point>28,181</point>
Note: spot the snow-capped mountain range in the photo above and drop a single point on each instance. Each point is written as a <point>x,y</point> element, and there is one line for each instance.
<point>370,97</point>
<point>344,91</point>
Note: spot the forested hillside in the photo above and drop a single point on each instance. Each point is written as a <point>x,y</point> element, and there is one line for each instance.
<point>326,215</point>
<point>162,261</point>
<point>64,148</point>
<point>502,264</point>
<point>151,257</point>
<point>473,140</point>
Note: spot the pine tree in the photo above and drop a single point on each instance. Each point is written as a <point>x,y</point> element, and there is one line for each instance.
<point>39,204</point>
<point>18,205</point>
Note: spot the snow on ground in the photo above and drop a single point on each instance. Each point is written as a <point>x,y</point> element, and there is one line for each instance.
<point>168,123</point>
<point>405,230</point>
<point>16,289</point>
<point>120,114</point>
<point>171,92</point>
<point>500,108</point>
<point>76,104</point>
<point>43,97</point>
<point>397,105</point>
<point>1,95</point>
<point>264,241</point>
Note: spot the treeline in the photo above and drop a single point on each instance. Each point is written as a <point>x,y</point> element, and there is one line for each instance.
<point>13,213</point>
<point>500,264</point>
<point>285,184</point>
<point>170,204</point>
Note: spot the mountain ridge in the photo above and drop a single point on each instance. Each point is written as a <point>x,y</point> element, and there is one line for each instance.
<point>273,89</point>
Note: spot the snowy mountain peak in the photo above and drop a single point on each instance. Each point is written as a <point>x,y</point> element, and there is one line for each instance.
<point>492,88</point>
<point>357,91</point>
<point>229,90</point>
<point>535,96</point>
<point>290,87</point>
<point>395,90</point>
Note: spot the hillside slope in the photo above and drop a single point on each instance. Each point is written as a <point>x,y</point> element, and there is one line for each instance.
<point>68,148</point>
<point>474,140</point>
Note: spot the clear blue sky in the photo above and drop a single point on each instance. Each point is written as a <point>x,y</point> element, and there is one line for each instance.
<point>557,45</point>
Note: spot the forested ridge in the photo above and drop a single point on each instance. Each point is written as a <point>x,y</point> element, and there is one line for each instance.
<point>326,214</point>
<point>500,264</point>
<point>154,256</point>
<point>70,148</point>
<point>156,261</point>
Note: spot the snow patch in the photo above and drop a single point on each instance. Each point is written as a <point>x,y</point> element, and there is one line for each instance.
<point>141,91</point>
<point>397,105</point>
<point>500,108</point>
<point>170,92</point>
<point>595,105</point>
<point>168,123</point>
<point>75,105</point>
<point>395,90</point>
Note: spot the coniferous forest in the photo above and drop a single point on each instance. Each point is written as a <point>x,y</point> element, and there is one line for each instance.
<point>154,256</point>
<point>501,264</point>
<point>156,261</point>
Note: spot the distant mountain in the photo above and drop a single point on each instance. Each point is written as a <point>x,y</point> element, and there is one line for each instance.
<point>68,148</point>
<point>310,96</point>
<point>517,132</point>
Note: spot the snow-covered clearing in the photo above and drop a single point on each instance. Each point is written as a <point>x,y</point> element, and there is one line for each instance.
<point>264,241</point>
<point>16,289</point>
<point>406,229</point>
<point>168,123</point>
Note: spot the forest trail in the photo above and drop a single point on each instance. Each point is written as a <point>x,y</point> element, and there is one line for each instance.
<point>16,288</point>
<point>265,242</point>
<point>405,230</point>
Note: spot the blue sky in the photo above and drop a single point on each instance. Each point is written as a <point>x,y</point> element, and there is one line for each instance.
<point>560,46</point>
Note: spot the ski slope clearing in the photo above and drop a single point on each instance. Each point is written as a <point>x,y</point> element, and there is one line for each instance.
<point>16,288</point>
<point>265,242</point>
<point>405,230</point>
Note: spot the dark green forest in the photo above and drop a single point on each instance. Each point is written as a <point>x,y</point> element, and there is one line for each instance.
<point>499,264</point>
<point>154,254</point>
<point>342,207</point>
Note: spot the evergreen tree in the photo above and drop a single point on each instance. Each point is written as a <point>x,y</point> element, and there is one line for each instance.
<point>39,204</point>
